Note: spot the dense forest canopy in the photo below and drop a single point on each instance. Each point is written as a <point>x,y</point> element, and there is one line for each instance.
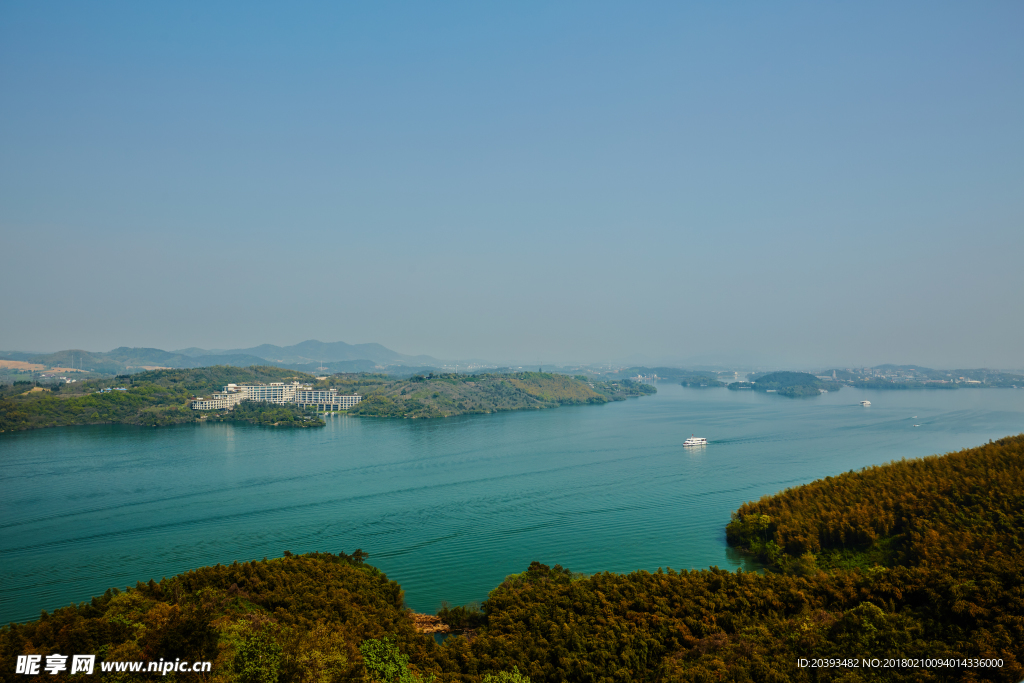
<point>781,380</point>
<point>914,561</point>
<point>296,618</point>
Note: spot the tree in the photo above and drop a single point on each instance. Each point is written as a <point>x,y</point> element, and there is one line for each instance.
<point>385,663</point>
<point>512,676</point>
<point>258,659</point>
<point>317,656</point>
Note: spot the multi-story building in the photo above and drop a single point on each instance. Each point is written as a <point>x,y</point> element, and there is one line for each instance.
<point>277,392</point>
<point>219,401</point>
<point>329,398</point>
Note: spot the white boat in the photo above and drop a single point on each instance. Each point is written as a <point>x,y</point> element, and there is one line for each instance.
<point>695,441</point>
<point>865,403</point>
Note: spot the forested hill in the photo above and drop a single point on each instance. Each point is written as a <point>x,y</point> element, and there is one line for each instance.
<point>909,572</point>
<point>955,510</point>
<point>153,398</point>
<point>450,394</point>
<point>790,384</point>
<point>932,548</point>
<point>202,381</point>
<point>296,618</point>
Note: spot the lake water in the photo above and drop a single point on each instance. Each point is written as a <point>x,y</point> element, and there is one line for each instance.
<point>446,507</point>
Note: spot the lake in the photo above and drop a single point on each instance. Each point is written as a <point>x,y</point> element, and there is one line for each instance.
<point>446,507</point>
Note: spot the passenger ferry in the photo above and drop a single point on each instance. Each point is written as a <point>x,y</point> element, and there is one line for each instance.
<point>695,441</point>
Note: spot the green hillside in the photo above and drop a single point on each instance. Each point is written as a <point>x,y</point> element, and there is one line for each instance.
<point>153,398</point>
<point>449,394</point>
<point>790,384</point>
<point>288,619</point>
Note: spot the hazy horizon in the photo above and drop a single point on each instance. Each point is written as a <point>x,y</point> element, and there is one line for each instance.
<point>720,361</point>
<point>792,185</point>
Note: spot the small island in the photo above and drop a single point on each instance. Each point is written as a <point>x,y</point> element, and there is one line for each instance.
<point>701,380</point>
<point>791,384</point>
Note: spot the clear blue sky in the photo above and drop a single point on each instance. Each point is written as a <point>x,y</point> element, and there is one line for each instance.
<point>785,183</point>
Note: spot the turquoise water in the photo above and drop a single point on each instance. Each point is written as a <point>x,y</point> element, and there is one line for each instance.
<point>446,507</point>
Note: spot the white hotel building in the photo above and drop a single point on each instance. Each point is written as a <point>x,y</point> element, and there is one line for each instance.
<point>277,392</point>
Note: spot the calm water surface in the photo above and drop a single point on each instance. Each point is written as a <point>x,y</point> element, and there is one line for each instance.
<point>446,507</point>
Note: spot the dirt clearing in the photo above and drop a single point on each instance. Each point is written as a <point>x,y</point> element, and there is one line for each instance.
<point>21,365</point>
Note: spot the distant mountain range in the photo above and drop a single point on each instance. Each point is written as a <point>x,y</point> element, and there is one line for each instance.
<point>307,356</point>
<point>313,351</point>
<point>330,357</point>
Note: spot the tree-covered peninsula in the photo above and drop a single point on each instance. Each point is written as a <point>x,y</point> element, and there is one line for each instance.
<point>450,394</point>
<point>150,399</point>
<point>909,572</point>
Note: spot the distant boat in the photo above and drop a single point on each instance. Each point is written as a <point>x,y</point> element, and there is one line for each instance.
<point>695,441</point>
<point>865,403</point>
<point>917,425</point>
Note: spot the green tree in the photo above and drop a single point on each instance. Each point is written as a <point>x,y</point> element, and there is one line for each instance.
<point>258,659</point>
<point>317,656</point>
<point>512,676</point>
<point>385,663</point>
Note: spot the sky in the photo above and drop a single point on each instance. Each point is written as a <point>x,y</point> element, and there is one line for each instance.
<point>795,184</point>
